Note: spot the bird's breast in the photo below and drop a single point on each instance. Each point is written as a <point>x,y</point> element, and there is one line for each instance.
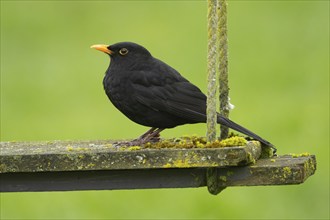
<point>119,90</point>
<point>115,87</point>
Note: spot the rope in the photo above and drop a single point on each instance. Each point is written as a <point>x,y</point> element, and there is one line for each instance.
<point>211,69</point>
<point>222,58</point>
<point>217,60</point>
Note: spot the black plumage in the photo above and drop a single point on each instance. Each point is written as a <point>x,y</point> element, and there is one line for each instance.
<point>153,94</point>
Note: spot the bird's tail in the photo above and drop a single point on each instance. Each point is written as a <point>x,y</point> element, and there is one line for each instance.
<point>226,122</point>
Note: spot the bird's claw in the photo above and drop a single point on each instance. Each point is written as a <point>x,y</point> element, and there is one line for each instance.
<point>138,142</point>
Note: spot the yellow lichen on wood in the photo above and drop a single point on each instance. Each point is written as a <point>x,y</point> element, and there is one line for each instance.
<point>305,154</point>
<point>132,148</point>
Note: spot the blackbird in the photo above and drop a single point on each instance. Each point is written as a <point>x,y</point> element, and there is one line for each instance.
<point>153,94</point>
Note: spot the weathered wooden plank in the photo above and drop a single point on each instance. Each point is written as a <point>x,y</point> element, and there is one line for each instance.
<point>281,170</point>
<point>102,180</point>
<point>103,155</point>
<point>272,171</point>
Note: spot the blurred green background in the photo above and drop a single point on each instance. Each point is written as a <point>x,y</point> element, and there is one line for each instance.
<point>51,89</point>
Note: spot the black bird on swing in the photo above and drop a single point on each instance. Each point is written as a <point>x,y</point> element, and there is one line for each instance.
<point>153,94</point>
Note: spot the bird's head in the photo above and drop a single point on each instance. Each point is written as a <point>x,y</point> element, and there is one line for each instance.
<point>124,52</point>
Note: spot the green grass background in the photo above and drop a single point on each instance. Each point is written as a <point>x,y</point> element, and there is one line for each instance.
<point>51,89</point>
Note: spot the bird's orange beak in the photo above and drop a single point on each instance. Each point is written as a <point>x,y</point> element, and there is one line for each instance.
<point>103,48</point>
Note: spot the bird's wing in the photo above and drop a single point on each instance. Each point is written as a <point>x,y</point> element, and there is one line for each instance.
<point>170,93</point>
<point>173,94</point>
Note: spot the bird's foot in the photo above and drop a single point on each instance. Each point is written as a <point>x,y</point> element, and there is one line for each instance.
<point>151,136</point>
<point>134,142</point>
<point>139,141</point>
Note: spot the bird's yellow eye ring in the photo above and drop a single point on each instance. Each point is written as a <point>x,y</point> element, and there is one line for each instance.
<point>123,51</point>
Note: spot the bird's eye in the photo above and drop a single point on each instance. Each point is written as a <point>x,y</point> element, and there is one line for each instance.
<point>123,51</point>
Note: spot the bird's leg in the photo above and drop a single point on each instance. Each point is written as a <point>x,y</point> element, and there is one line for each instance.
<point>146,134</point>
<point>153,136</point>
<point>139,140</point>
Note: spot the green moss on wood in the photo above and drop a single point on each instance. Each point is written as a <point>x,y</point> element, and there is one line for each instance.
<point>267,152</point>
<point>197,142</point>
